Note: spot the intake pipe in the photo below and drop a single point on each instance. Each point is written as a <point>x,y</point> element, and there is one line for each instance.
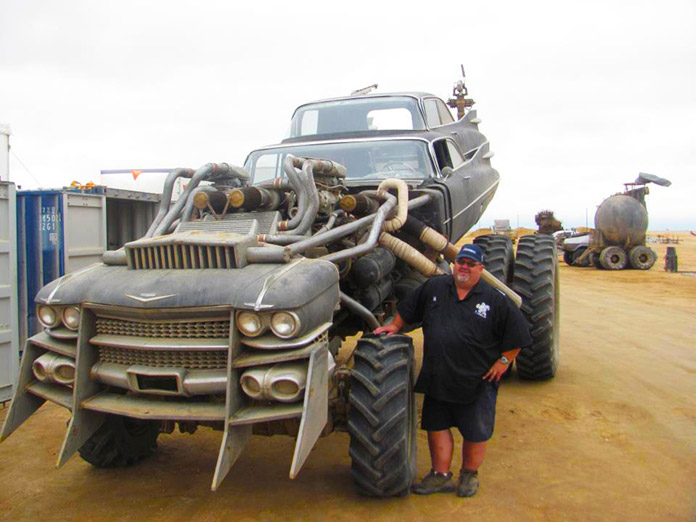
<point>310,214</point>
<point>167,197</point>
<point>297,183</point>
<point>51,367</point>
<point>401,187</point>
<point>410,255</point>
<point>210,170</point>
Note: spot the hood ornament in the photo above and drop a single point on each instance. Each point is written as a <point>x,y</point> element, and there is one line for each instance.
<point>148,298</point>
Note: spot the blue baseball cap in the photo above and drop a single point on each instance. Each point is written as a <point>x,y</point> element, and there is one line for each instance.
<point>473,252</point>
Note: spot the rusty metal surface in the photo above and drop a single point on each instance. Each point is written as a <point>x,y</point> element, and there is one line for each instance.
<point>150,408</point>
<point>55,393</point>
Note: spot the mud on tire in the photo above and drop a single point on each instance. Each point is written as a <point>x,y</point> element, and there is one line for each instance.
<point>613,258</point>
<point>382,418</point>
<point>121,441</point>
<point>536,280</point>
<point>642,257</point>
<point>498,256</point>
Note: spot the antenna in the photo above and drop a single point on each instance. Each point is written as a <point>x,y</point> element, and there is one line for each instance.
<point>364,90</point>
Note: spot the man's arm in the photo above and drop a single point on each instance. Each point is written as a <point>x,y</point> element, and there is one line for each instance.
<point>498,369</point>
<point>393,327</point>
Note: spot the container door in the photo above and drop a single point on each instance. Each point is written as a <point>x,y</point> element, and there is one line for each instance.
<point>9,346</point>
<point>84,226</point>
<point>40,251</point>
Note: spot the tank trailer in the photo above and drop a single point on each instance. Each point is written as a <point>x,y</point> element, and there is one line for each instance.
<point>618,239</point>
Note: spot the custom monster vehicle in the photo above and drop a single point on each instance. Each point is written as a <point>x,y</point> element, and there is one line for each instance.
<point>230,312</point>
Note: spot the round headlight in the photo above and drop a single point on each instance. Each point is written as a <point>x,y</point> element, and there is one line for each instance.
<point>285,324</point>
<point>250,324</point>
<point>71,317</point>
<point>47,316</point>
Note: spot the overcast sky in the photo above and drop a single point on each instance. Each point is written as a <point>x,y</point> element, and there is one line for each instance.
<point>576,98</point>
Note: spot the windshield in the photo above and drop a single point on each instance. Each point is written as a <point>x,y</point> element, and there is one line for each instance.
<point>355,115</point>
<point>373,159</point>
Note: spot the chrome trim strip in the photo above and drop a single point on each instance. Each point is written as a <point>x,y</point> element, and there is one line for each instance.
<point>192,382</point>
<point>472,203</point>
<point>271,342</point>
<point>159,343</point>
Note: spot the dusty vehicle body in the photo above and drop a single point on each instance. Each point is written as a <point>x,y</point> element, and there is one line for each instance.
<point>230,312</point>
<point>618,239</point>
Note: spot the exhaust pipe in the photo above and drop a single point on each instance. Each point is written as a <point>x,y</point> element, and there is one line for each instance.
<point>51,367</point>
<point>283,382</point>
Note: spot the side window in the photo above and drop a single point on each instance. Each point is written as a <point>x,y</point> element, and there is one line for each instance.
<point>447,154</point>
<point>267,167</point>
<point>454,154</point>
<point>445,114</point>
<point>432,117</point>
<point>442,154</point>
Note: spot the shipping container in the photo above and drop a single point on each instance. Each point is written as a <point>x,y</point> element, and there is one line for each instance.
<point>9,341</point>
<point>60,231</point>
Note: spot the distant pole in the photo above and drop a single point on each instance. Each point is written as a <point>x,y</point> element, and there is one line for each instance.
<point>587,223</point>
<point>518,221</point>
<point>5,132</point>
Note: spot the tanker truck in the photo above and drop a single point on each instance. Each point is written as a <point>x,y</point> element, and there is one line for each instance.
<point>618,239</point>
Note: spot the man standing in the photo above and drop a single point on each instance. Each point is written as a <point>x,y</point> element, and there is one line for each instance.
<point>472,332</point>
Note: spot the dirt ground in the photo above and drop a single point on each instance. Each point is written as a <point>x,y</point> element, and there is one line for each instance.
<point>612,437</point>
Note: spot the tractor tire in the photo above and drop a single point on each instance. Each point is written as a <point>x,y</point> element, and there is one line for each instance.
<point>498,256</point>
<point>578,254</point>
<point>121,441</point>
<point>536,280</point>
<point>613,258</point>
<point>382,420</point>
<point>568,258</point>
<point>642,257</point>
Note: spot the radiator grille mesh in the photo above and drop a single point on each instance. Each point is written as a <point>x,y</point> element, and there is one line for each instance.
<point>191,360</point>
<point>166,330</point>
<point>180,256</point>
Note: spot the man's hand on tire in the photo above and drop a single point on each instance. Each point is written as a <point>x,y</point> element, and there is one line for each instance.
<point>389,329</point>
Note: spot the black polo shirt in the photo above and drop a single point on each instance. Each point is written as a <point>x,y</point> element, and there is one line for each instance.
<point>463,338</point>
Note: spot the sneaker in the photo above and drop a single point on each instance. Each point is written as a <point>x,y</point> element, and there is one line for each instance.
<point>468,483</point>
<point>434,482</point>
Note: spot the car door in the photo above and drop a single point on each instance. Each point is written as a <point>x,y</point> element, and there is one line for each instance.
<point>470,182</point>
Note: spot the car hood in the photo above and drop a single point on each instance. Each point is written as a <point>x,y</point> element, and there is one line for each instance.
<point>258,286</point>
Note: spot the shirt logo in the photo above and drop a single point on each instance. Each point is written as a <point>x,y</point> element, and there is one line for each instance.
<point>482,309</point>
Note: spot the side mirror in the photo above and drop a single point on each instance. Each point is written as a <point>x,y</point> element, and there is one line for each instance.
<point>447,172</point>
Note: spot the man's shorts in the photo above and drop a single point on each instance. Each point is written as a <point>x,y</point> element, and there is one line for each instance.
<point>475,421</point>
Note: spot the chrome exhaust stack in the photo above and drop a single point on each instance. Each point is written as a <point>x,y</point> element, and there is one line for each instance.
<point>51,367</point>
<point>282,382</point>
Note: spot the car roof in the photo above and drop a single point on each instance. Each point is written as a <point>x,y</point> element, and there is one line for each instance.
<point>411,94</point>
<point>354,137</point>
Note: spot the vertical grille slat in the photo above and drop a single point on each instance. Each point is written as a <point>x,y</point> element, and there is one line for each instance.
<point>194,257</point>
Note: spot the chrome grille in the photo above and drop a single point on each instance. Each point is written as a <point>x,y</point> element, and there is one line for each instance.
<point>181,256</point>
<point>167,330</point>
<point>191,360</point>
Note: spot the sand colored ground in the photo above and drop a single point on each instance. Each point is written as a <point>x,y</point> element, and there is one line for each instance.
<point>612,437</point>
